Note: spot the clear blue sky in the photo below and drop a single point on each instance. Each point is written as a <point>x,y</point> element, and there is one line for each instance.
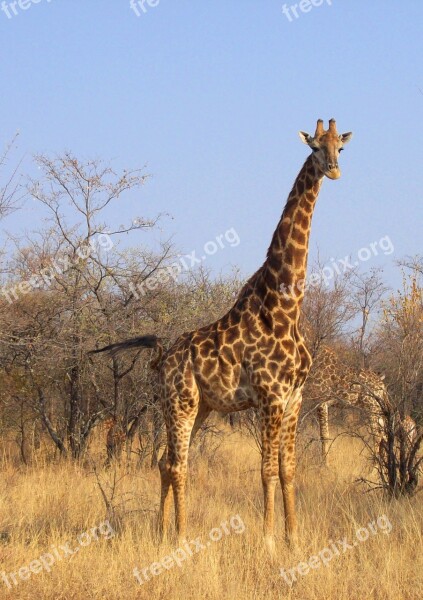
<point>210,95</point>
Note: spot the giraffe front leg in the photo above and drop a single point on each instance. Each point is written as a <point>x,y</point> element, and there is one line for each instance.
<point>287,465</point>
<point>271,422</point>
<point>377,429</point>
<point>323,416</point>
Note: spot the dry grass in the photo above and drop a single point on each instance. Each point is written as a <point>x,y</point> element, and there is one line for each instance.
<point>46,507</point>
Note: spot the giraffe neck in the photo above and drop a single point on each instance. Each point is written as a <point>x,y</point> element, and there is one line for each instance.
<point>286,263</point>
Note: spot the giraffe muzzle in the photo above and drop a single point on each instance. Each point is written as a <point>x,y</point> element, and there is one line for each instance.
<point>333,172</point>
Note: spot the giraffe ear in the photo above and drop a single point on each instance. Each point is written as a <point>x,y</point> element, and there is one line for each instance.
<point>305,137</point>
<point>345,137</point>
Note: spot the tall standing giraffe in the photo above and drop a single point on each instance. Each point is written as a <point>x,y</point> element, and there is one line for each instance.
<point>254,355</point>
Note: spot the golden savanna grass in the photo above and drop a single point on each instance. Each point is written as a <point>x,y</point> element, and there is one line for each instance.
<point>48,505</point>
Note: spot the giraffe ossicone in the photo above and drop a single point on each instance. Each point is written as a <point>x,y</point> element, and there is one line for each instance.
<point>253,356</point>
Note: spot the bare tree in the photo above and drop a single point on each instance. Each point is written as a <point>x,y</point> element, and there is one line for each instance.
<point>10,189</point>
<point>67,287</point>
<point>413,264</point>
<point>327,308</point>
<point>400,336</point>
<point>368,290</point>
<point>396,457</point>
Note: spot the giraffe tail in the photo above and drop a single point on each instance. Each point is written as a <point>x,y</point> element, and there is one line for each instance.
<point>145,341</point>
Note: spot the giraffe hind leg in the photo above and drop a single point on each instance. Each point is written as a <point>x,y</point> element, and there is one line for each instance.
<point>323,416</point>
<point>174,463</point>
<point>203,413</point>
<point>165,497</point>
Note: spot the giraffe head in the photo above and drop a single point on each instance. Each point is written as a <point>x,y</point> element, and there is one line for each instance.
<point>326,146</point>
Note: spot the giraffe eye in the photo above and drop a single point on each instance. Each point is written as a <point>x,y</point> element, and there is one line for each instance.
<point>340,150</point>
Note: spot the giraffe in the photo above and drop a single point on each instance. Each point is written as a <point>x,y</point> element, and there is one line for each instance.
<point>396,428</point>
<point>253,356</point>
<point>333,383</point>
<point>115,438</point>
<point>397,461</point>
<point>120,433</point>
<point>409,427</point>
<point>406,430</point>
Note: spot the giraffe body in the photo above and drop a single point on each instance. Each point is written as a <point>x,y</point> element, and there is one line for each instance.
<point>331,383</point>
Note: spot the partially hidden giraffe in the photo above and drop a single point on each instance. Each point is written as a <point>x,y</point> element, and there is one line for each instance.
<point>254,356</point>
<point>404,429</point>
<point>333,383</point>
<point>115,439</point>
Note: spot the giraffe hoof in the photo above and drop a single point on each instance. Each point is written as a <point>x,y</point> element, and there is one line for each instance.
<point>269,541</point>
<point>292,543</point>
